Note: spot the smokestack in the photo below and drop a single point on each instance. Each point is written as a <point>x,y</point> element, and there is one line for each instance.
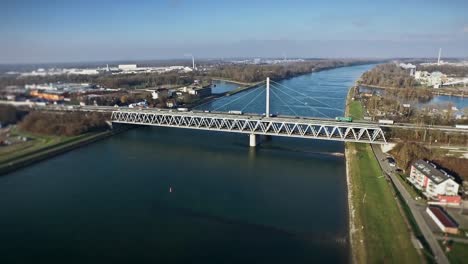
<point>440,53</point>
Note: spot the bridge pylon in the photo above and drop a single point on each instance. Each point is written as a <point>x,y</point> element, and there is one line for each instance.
<point>267,110</point>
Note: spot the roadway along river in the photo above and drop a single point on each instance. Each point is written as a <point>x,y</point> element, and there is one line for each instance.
<point>163,195</point>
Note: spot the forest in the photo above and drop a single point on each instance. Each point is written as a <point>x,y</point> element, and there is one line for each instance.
<point>63,124</point>
<point>388,75</point>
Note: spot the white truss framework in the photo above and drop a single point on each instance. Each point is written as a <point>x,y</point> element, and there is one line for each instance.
<point>258,125</point>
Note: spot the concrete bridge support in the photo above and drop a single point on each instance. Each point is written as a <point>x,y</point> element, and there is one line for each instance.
<point>253,140</point>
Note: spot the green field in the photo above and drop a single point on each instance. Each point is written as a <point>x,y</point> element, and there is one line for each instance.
<point>380,233</point>
<point>37,147</point>
<point>408,187</point>
<point>35,143</point>
<point>385,235</point>
<point>355,110</point>
<point>458,254</point>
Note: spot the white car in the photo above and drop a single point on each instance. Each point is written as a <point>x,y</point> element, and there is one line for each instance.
<point>391,162</point>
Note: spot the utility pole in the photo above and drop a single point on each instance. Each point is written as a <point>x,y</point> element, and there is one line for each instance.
<point>267,111</point>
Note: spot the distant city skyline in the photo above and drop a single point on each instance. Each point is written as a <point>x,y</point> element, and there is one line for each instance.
<point>79,31</point>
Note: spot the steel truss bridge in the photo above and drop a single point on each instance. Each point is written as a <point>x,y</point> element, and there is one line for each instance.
<point>255,125</point>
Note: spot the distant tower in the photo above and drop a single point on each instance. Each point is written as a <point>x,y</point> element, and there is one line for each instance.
<point>193,63</point>
<point>440,53</point>
<point>107,67</point>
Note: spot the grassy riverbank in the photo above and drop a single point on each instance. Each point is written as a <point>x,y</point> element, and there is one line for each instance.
<point>458,254</point>
<point>232,81</point>
<point>378,232</point>
<point>242,88</point>
<point>40,147</point>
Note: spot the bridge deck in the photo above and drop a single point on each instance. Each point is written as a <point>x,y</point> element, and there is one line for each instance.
<point>256,124</point>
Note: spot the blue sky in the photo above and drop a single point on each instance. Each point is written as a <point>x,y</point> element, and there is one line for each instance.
<point>62,31</point>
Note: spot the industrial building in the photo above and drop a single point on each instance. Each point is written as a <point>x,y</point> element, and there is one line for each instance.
<point>432,181</point>
<point>49,95</point>
<point>434,79</point>
<point>442,220</point>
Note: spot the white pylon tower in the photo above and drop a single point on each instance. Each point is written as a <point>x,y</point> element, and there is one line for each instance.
<point>440,53</point>
<point>267,110</point>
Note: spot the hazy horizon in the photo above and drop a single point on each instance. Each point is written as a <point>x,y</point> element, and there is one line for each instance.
<point>88,31</point>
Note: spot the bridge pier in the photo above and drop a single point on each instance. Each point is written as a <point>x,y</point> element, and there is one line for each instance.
<point>253,140</point>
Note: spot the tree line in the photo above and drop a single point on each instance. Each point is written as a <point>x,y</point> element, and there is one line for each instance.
<point>256,73</point>
<point>407,153</point>
<point>63,124</point>
<point>459,71</point>
<point>141,80</point>
<point>388,75</point>
<point>242,73</point>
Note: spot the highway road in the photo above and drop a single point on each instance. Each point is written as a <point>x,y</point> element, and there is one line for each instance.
<point>438,252</point>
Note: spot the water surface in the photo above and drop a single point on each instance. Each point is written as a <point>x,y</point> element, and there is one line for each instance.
<point>437,100</point>
<point>162,195</point>
<point>219,87</point>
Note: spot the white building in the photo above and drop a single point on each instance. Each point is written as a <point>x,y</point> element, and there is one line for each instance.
<point>432,181</point>
<point>83,71</point>
<point>407,66</point>
<point>127,67</point>
<point>434,79</point>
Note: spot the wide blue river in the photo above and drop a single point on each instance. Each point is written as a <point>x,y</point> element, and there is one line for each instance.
<point>161,195</point>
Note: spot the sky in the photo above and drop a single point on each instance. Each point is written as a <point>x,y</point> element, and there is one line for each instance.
<point>34,31</point>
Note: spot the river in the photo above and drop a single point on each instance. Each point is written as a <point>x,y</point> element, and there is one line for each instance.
<point>437,100</point>
<point>219,87</point>
<point>162,195</point>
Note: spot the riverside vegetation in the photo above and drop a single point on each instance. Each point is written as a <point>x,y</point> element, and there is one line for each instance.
<point>40,135</point>
<point>378,231</point>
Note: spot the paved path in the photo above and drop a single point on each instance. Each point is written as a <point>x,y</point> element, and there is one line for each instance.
<point>456,239</point>
<point>439,254</point>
